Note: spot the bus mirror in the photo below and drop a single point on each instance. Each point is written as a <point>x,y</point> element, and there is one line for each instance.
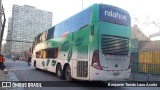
<point>92,30</point>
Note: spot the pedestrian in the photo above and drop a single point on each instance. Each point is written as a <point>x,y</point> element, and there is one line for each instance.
<point>2,60</point>
<point>29,58</point>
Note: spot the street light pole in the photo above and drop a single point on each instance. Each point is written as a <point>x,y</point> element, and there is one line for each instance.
<point>0,8</point>
<point>0,25</point>
<point>82,4</point>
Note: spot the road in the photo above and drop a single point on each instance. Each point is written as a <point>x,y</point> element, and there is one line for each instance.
<point>19,71</point>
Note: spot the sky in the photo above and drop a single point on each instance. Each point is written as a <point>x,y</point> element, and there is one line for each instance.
<point>141,11</point>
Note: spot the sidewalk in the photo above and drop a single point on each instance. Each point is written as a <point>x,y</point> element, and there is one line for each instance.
<point>9,76</point>
<point>144,77</point>
<point>3,77</point>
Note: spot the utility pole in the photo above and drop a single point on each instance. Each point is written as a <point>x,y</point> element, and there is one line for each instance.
<point>2,24</point>
<point>82,4</point>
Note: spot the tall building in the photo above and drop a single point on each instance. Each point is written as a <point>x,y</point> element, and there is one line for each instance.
<point>27,22</point>
<point>9,37</point>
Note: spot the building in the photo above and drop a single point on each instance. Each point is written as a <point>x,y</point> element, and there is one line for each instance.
<point>149,45</point>
<point>142,41</point>
<point>137,37</point>
<point>138,34</point>
<point>145,53</point>
<point>9,37</point>
<point>27,22</point>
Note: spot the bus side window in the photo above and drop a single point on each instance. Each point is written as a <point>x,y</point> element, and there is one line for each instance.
<point>57,31</point>
<point>38,54</point>
<point>43,53</point>
<point>55,53</point>
<point>52,53</point>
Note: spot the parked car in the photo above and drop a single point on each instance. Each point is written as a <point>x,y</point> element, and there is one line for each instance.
<point>16,58</point>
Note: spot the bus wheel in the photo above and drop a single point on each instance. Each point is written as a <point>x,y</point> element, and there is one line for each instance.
<point>35,64</point>
<point>59,71</point>
<point>68,73</point>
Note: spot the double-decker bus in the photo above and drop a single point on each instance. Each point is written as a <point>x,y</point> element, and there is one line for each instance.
<point>93,45</point>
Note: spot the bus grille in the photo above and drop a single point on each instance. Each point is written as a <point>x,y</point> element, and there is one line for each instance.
<point>82,68</point>
<point>114,45</point>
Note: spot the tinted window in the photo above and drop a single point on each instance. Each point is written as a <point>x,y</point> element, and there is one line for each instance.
<point>50,33</point>
<point>66,27</point>
<point>43,36</point>
<point>47,53</point>
<point>38,54</point>
<point>87,16</point>
<point>72,24</point>
<point>52,53</point>
<point>81,19</point>
<point>57,30</point>
<point>77,21</point>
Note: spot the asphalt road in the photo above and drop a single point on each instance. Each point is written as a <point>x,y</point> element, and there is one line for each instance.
<point>19,71</point>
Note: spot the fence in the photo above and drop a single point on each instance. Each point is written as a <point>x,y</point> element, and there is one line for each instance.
<point>145,72</point>
<point>145,64</point>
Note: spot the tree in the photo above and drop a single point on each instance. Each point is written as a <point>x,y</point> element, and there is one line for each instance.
<point>156,23</point>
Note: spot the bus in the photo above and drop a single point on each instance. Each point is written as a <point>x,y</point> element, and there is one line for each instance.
<point>92,45</point>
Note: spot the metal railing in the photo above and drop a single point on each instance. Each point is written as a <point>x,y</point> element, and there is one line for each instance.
<point>151,70</point>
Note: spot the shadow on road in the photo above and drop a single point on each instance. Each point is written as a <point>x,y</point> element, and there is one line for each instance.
<point>74,83</point>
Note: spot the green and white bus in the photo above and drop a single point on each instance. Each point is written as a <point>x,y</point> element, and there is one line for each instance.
<point>93,45</point>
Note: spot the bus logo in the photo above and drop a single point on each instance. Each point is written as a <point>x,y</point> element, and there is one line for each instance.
<point>115,15</point>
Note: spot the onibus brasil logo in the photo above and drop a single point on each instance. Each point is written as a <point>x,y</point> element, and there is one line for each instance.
<point>21,84</point>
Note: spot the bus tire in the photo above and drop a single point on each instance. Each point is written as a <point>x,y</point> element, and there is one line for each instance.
<point>35,64</point>
<point>59,71</point>
<point>68,73</point>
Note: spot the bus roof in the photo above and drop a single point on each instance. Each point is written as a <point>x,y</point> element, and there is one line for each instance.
<point>95,8</point>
